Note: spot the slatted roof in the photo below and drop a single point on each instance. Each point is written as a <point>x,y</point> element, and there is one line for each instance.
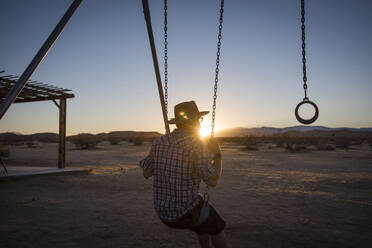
<point>33,91</point>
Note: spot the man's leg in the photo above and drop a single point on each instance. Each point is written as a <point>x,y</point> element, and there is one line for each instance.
<point>219,240</point>
<point>204,240</point>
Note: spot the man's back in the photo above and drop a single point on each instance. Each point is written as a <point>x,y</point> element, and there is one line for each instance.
<point>179,161</point>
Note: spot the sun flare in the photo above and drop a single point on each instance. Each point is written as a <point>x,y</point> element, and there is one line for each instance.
<point>205,129</point>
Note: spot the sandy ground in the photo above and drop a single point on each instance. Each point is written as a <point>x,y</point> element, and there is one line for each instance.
<point>269,198</point>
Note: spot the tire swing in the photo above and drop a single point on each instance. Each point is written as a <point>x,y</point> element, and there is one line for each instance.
<point>304,77</point>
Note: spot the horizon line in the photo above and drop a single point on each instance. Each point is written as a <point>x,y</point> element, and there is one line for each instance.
<point>154,131</point>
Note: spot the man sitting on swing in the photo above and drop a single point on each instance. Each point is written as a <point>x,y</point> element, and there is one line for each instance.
<point>179,161</point>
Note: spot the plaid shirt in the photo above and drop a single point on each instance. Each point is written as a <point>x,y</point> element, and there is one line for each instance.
<point>179,160</point>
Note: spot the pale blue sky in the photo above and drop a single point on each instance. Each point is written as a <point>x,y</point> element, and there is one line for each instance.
<point>103,55</point>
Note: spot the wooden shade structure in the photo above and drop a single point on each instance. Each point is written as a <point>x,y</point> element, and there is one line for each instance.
<point>34,92</point>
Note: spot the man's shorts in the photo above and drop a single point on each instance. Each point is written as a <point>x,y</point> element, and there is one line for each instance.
<point>213,225</point>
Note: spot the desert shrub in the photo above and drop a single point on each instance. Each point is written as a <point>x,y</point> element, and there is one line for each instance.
<point>343,142</point>
<point>236,140</point>
<point>149,139</point>
<point>220,141</point>
<point>279,143</point>
<point>251,140</point>
<point>271,146</point>
<point>85,141</point>
<point>251,143</point>
<point>323,140</point>
<point>312,140</point>
<point>369,141</point>
<point>315,140</point>
<point>357,141</point>
<point>300,147</point>
<point>325,147</point>
<point>114,140</point>
<point>30,144</point>
<point>10,139</point>
<point>292,146</point>
<point>298,143</point>
<point>250,148</point>
<point>284,141</point>
<point>239,140</point>
<point>137,141</point>
<point>47,139</point>
<point>4,151</point>
<point>18,143</point>
<point>289,147</point>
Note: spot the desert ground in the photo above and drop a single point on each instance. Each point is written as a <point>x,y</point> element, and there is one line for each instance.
<point>269,198</point>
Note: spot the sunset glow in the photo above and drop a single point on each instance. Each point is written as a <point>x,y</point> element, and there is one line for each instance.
<point>205,129</point>
<point>260,84</point>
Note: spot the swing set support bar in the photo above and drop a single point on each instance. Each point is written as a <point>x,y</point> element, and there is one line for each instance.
<point>21,82</point>
<point>146,12</point>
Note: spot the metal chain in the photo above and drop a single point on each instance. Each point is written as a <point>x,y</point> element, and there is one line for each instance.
<point>166,56</point>
<point>303,47</point>
<point>217,69</point>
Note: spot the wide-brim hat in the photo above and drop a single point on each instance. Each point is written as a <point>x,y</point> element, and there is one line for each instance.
<point>186,111</point>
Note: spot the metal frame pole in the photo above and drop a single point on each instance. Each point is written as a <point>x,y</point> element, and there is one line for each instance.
<point>2,162</point>
<point>17,88</point>
<point>146,12</point>
<point>62,134</point>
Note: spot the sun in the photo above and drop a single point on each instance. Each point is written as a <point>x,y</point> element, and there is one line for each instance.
<point>205,129</point>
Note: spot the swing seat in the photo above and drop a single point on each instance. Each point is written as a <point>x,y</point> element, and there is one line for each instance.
<point>204,213</point>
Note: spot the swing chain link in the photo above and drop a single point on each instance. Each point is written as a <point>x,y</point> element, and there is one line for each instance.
<point>166,56</point>
<point>206,194</point>
<point>217,69</point>
<point>303,48</point>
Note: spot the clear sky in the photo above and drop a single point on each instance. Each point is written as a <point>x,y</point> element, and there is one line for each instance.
<point>103,55</point>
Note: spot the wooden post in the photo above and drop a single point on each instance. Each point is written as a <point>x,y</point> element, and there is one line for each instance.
<point>62,133</point>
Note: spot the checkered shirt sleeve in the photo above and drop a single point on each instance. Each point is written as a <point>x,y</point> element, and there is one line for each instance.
<point>204,162</point>
<point>147,163</point>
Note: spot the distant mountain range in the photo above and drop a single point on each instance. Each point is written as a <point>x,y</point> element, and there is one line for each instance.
<point>231,132</point>
<point>267,131</point>
<point>53,137</point>
<point>18,137</point>
<point>130,134</point>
